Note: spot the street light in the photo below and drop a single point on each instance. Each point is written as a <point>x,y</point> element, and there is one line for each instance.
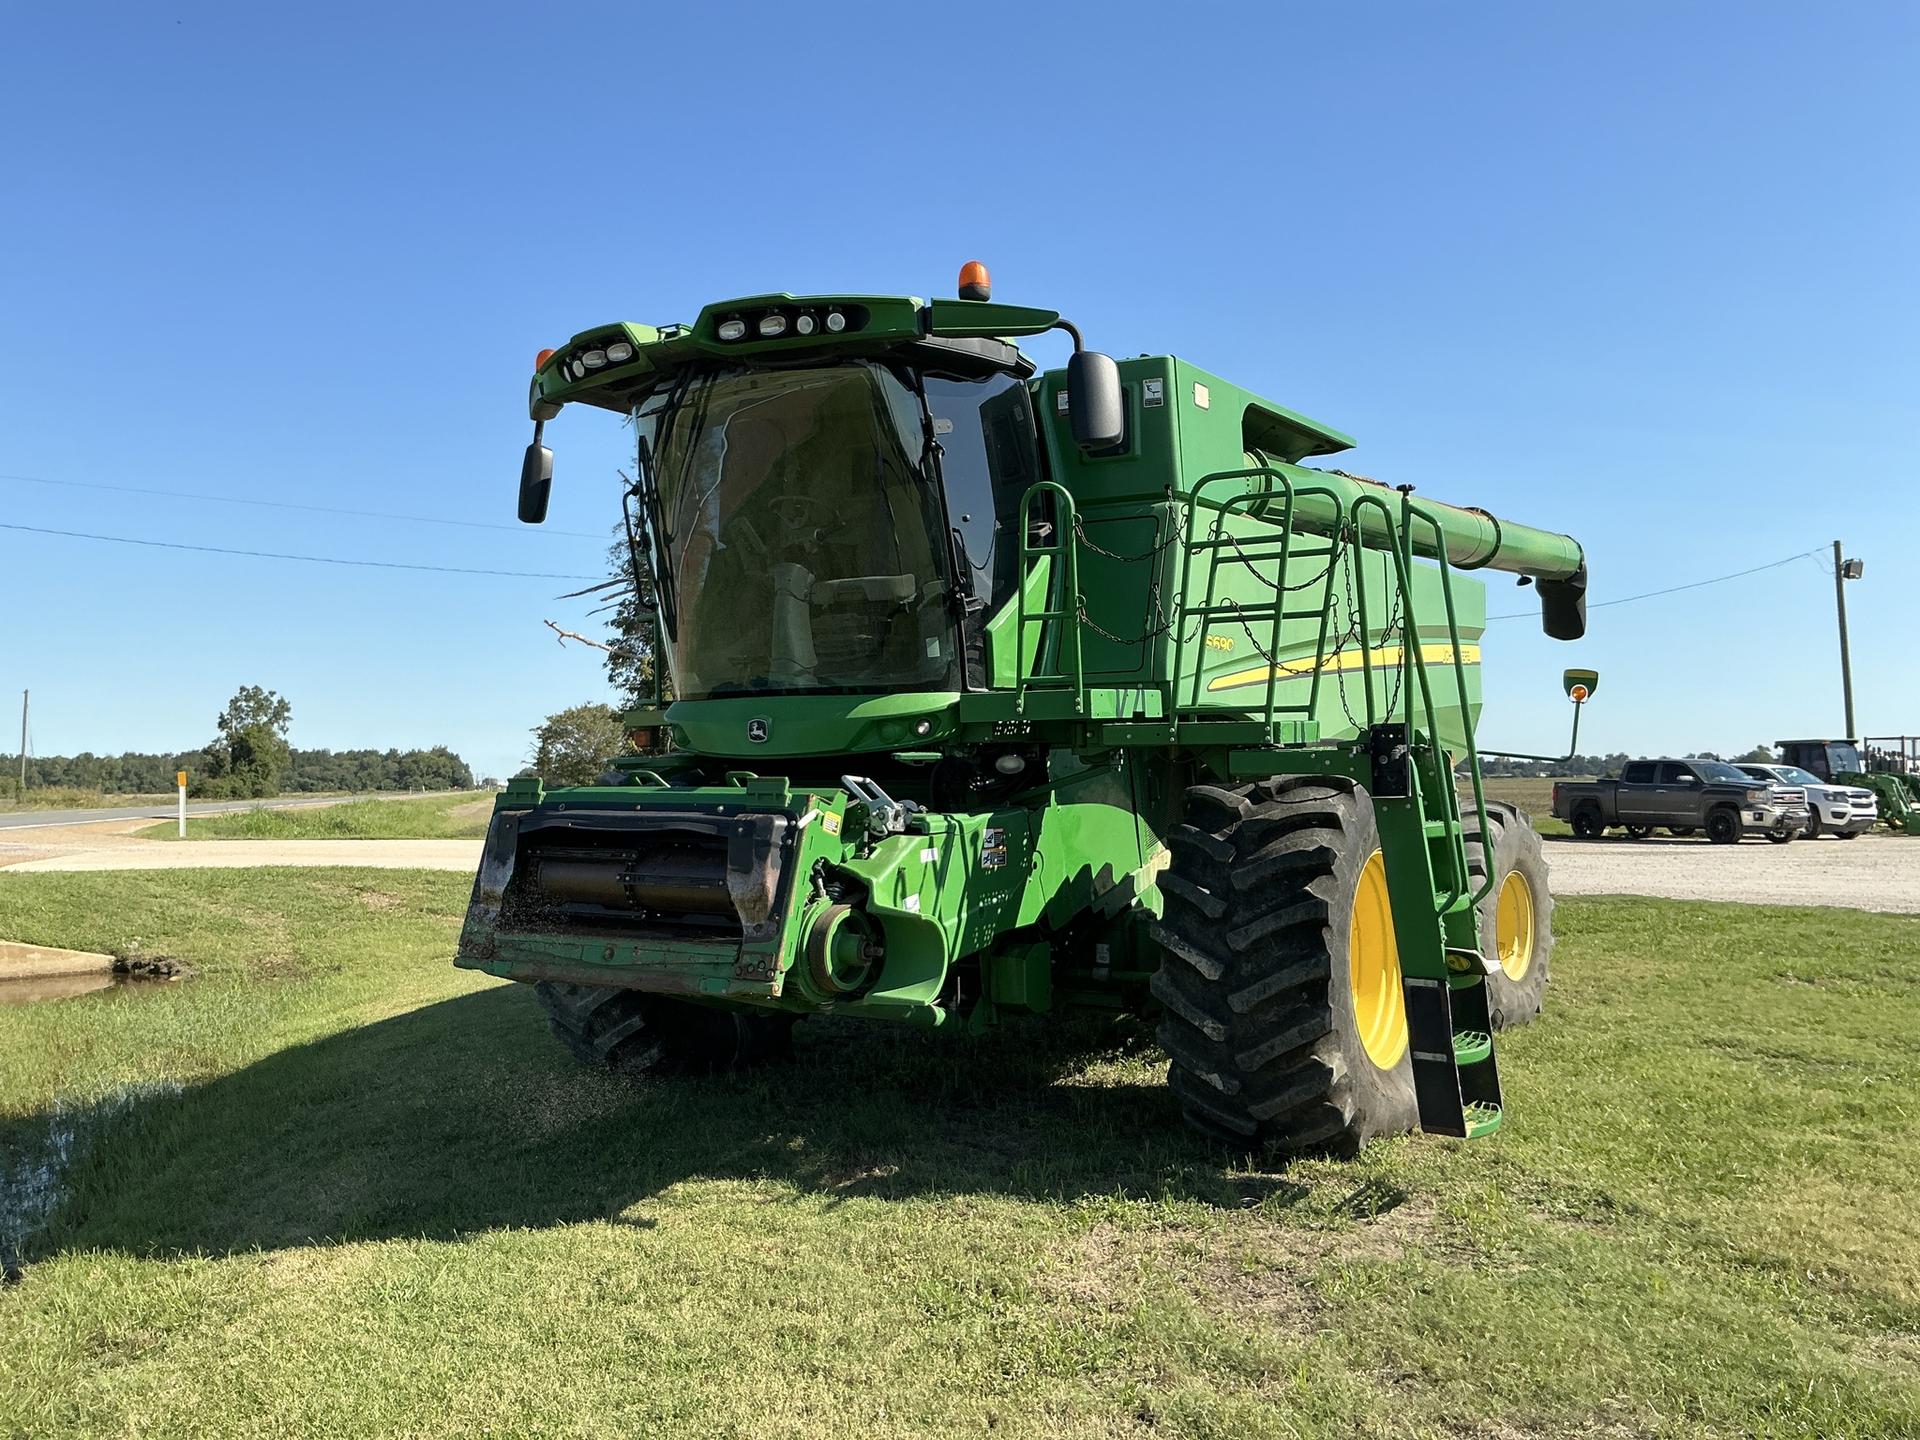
<point>1843,571</point>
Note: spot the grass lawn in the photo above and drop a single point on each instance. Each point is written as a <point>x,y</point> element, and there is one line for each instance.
<point>335,1187</point>
<point>427,817</point>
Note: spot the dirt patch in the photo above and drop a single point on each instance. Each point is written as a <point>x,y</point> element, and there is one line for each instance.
<point>1267,1273</point>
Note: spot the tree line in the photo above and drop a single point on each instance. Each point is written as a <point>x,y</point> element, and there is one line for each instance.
<point>1605,766</point>
<point>249,757</point>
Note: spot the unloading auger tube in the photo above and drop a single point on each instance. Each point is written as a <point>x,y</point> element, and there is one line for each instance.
<point>991,692</point>
<point>1475,539</point>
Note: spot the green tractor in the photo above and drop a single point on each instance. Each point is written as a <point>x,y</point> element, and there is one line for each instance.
<point>1890,769</point>
<point>997,693</point>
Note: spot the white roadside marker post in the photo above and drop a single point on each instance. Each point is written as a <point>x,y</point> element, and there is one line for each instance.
<point>180,779</point>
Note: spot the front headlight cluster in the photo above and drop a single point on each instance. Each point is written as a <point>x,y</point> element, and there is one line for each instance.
<point>773,324</point>
<point>583,363</point>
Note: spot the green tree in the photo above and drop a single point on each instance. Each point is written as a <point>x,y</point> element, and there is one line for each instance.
<point>575,746</point>
<point>630,616</point>
<point>1759,755</point>
<point>251,754</point>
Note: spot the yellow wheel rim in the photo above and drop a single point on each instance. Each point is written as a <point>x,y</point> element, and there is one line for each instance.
<point>1373,963</point>
<point>1513,925</point>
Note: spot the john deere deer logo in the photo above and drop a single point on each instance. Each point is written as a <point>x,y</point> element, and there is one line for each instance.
<point>757,731</point>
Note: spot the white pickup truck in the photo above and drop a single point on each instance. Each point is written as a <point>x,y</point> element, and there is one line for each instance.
<point>1842,810</point>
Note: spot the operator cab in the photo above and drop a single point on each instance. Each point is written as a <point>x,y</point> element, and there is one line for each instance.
<point>831,528</point>
<point>829,488</point>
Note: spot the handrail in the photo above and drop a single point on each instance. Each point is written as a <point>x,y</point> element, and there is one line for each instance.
<point>1067,584</point>
<point>1275,483</point>
<point>1413,512</point>
<point>1413,663</point>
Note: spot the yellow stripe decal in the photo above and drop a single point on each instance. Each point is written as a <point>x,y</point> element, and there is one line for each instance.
<point>1387,656</point>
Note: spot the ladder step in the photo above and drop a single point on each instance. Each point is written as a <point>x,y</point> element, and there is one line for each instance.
<point>1482,1119</point>
<point>1470,1047</point>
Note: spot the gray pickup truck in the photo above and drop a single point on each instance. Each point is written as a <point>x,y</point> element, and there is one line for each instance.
<point>1681,797</point>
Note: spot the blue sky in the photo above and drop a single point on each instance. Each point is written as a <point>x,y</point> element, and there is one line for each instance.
<point>1643,272</point>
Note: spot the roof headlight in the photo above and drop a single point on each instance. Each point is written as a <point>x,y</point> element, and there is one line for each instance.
<point>577,370</point>
<point>594,359</point>
<point>732,329</point>
<point>836,322</point>
<point>619,353</point>
<point>805,325</point>
<point>772,325</point>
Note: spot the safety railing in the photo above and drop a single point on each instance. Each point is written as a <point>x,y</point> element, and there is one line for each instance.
<point>1063,601</point>
<point>1270,551</point>
<point>1399,532</point>
<point>1277,543</point>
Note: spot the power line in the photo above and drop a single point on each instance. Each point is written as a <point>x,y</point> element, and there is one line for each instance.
<point>1673,589</point>
<point>311,559</point>
<point>295,505</point>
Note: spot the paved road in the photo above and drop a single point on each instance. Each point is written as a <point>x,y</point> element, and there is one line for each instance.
<point>1875,872</point>
<point>42,819</point>
<point>460,855</point>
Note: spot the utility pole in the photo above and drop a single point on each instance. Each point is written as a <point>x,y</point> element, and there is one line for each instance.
<point>1843,571</point>
<point>24,694</point>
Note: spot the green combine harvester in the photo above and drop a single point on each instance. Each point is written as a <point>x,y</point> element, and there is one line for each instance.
<point>996,693</point>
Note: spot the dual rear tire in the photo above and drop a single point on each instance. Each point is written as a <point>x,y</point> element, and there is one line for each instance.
<point>1280,981</point>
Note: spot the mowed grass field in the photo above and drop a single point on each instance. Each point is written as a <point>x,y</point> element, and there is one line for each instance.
<point>335,1187</point>
<point>1533,796</point>
<point>427,817</point>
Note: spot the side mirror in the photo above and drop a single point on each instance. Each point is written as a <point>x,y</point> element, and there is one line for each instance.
<point>1095,404</point>
<point>536,483</point>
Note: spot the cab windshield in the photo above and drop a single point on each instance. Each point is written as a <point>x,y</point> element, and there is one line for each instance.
<point>798,534</point>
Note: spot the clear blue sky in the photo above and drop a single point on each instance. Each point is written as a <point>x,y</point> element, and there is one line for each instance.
<point>1643,272</point>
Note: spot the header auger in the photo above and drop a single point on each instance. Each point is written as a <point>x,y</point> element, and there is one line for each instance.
<point>996,692</point>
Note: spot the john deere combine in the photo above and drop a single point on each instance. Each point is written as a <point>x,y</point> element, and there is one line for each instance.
<point>998,693</point>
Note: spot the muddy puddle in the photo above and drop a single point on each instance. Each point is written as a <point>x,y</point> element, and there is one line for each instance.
<point>32,989</point>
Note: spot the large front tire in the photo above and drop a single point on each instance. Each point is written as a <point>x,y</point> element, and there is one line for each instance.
<point>634,1033</point>
<point>1284,1016</point>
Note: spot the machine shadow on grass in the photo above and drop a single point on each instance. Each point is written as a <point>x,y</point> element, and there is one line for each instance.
<point>464,1116</point>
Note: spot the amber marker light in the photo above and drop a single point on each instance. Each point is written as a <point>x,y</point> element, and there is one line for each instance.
<point>974,282</point>
<point>541,359</point>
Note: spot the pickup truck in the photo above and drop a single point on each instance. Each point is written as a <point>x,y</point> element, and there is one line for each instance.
<point>1682,796</point>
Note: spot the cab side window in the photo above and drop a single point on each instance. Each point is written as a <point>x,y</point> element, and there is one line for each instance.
<point>1638,772</point>
<point>1673,773</point>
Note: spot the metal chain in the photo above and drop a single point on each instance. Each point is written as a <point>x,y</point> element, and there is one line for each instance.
<point>1080,534</point>
<point>1279,587</point>
<point>1386,633</point>
<point>1153,598</point>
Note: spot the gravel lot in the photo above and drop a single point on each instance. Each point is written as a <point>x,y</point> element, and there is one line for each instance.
<point>1875,872</point>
